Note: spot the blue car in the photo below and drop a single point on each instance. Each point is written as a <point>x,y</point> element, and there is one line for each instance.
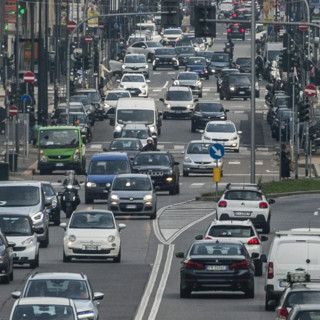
<point>102,169</point>
<point>199,65</point>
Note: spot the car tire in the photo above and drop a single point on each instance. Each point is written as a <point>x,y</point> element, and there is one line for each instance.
<point>200,95</point>
<point>178,188</point>
<point>193,127</point>
<point>88,200</point>
<point>35,263</point>
<point>153,214</point>
<point>266,227</point>
<point>269,298</point>
<point>258,268</point>
<point>221,97</point>
<point>185,293</point>
<point>44,243</point>
<point>165,116</point>
<point>173,191</point>
<point>11,275</point>
<point>228,97</point>
<point>6,279</point>
<point>117,259</point>
<point>185,173</point>
<point>65,258</point>
<point>249,291</point>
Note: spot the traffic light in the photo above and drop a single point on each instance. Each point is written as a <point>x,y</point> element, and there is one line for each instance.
<point>21,9</point>
<point>303,111</point>
<point>204,27</point>
<point>172,17</point>
<point>283,62</point>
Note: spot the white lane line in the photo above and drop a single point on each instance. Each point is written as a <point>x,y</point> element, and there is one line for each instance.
<point>156,72</point>
<point>160,146</point>
<point>195,185</point>
<point>157,90</point>
<point>165,85</point>
<point>147,293</point>
<point>178,147</point>
<point>162,284</point>
<point>168,233</point>
<point>234,162</point>
<point>259,163</point>
<point>171,73</point>
<point>206,89</point>
<point>316,213</point>
<point>95,146</point>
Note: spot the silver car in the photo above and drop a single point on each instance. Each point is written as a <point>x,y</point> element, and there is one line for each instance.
<point>198,160</point>
<point>136,63</point>
<point>133,194</point>
<point>145,47</point>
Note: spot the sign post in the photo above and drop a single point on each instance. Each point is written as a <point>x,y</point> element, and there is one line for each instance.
<point>13,111</point>
<point>310,90</point>
<point>216,152</point>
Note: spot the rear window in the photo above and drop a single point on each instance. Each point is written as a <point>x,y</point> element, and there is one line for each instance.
<point>19,196</point>
<point>231,231</point>
<point>243,195</point>
<point>302,297</point>
<point>108,167</point>
<point>218,249</point>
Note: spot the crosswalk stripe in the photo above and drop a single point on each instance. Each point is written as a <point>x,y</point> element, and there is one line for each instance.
<point>234,162</point>
<point>259,163</point>
<point>196,185</point>
<point>96,146</point>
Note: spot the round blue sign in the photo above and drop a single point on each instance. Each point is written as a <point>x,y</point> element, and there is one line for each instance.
<point>216,151</point>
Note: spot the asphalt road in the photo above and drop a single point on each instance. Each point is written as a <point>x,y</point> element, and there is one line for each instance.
<point>145,285</point>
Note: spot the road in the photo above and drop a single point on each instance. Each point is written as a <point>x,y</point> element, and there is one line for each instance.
<point>145,285</point>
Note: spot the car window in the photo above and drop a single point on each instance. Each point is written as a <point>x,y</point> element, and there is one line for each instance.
<point>197,61</point>
<point>138,45</point>
<point>188,76</point>
<point>48,190</point>
<point>188,50</point>
<point>172,31</point>
<point>125,145</point>
<point>92,220</point>
<point>210,107</point>
<point>132,184</point>
<point>198,148</point>
<point>239,80</point>
<point>302,297</point>
<point>15,225</point>
<point>179,95</point>
<point>243,195</point>
<point>19,196</point>
<point>165,51</point>
<point>243,61</point>
<point>308,315</point>
<point>132,78</point>
<point>117,95</point>
<point>135,133</point>
<point>217,57</point>
<point>111,167</point>
<point>231,231</point>
<point>135,59</point>
<point>217,127</point>
<point>217,249</point>
<point>152,159</point>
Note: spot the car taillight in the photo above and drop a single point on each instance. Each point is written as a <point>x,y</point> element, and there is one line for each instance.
<point>229,30</point>
<point>194,265</point>
<point>242,30</point>
<point>263,205</point>
<point>254,241</point>
<point>283,312</point>
<point>222,204</point>
<point>270,270</point>
<point>207,238</point>
<point>234,15</point>
<point>239,265</point>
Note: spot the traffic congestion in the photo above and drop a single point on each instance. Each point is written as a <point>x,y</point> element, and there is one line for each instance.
<point>108,224</point>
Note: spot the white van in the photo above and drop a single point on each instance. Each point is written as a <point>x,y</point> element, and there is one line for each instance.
<point>135,111</point>
<point>295,250</point>
<point>272,51</point>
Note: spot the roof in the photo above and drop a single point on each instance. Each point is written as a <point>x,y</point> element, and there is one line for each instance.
<point>125,139</point>
<point>132,175</point>
<point>179,88</point>
<point>95,211</point>
<point>199,141</point>
<point>232,222</point>
<point>70,127</point>
<point>110,156</point>
<point>135,54</point>
<point>135,126</point>
<point>133,74</point>
<point>217,241</point>
<point>155,152</point>
<point>242,186</point>
<point>221,122</point>
<point>306,307</point>
<point>58,275</point>
<point>87,90</point>
<point>44,300</point>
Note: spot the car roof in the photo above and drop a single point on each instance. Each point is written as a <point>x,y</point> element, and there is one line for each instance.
<point>232,222</point>
<point>187,72</point>
<point>125,139</point>
<point>44,300</point>
<point>21,183</point>
<point>58,275</point>
<point>199,141</point>
<point>93,210</point>
<point>135,54</point>
<point>132,175</point>
<point>179,88</point>
<point>154,152</point>
<point>243,186</point>
<point>135,126</point>
<point>87,90</point>
<point>109,156</point>
<point>221,122</point>
<point>133,74</point>
<point>306,307</point>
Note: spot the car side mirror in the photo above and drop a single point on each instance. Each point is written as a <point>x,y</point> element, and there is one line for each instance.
<point>161,100</point>
<point>179,255</point>
<point>199,237</point>
<point>37,230</point>
<point>121,226</point>
<point>176,163</point>
<point>98,296</point>
<point>255,255</point>
<point>118,80</point>
<point>226,110</point>
<point>263,258</point>
<point>16,294</point>
<point>264,238</point>
<point>239,132</point>
<point>47,202</point>
<point>271,201</point>
<point>201,131</point>
<point>63,225</point>
<point>195,100</point>
<point>105,149</point>
<point>148,81</point>
<point>216,199</point>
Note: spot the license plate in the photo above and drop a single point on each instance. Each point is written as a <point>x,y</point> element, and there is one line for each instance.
<point>131,206</point>
<point>59,164</point>
<point>217,268</point>
<point>241,92</point>
<point>242,213</point>
<point>202,167</point>
<point>283,283</point>
<point>90,247</point>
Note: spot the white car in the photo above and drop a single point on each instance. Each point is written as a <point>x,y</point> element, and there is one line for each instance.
<point>243,231</point>
<point>241,201</point>
<point>111,100</point>
<point>135,83</point>
<point>223,132</point>
<point>19,229</point>
<point>136,63</point>
<point>92,234</point>
<point>171,36</point>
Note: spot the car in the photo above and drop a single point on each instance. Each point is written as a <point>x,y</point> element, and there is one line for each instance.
<point>136,63</point>
<point>219,61</point>
<point>224,10</point>
<point>243,231</point>
<point>224,132</point>
<point>103,167</point>
<point>171,36</point>
<point>87,106</point>
<point>139,131</point>
<point>244,15</point>
<point>198,160</point>
<point>132,146</point>
<point>221,76</point>
<point>162,168</point>
<point>19,229</point>
<point>52,197</point>
<point>71,285</point>
<point>92,234</point>
<point>199,65</point>
<point>96,101</point>
<point>191,80</point>
<point>236,31</point>
<point>208,56</point>
<point>45,308</point>
<point>133,38</point>
<point>165,57</point>
<point>183,53</point>
<point>280,127</point>
<point>145,47</point>
<point>111,100</point>
<point>305,312</point>
<point>244,64</point>
<point>206,111</point>
<point>28,197</point>
<point>242,201</point>
<point>216,265</point>
<point>135,83</point>
<point>133,194</point>
<point>178,102</point>
<point>6,253</point>
<point>75,106</point>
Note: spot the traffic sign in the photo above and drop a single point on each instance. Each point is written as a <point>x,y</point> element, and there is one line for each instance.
<point>26,97</point>
<point>303,28</point>
<point>29,77</point>
<point>216,151</point>
<point>13,111</point>
<point>101,26</point>
<point>71,26</point>
<point>310,90</point>
<point>88,38</point>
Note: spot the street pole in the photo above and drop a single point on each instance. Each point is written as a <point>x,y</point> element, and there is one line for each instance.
<point>17,78</point>
<point>6,104</point>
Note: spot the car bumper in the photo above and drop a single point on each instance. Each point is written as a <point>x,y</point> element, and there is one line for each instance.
<point>59,166</point>
<point>24,254</point>
<point>97,193</point>
<point>259,220</point>
<point>178,113</point>
<point>164,183</point>
<point>197,168</point>
<point>132,208</point>
<point>228,145</point>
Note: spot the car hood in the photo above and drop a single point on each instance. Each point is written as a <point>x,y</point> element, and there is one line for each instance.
<point>94,236</point>
<point>19,239</point>
<point>200,157</point>
<point>108,178</point>
<point>188,82</point>
<point>178,103</point>
<point>135,65</point>
<point>111,103</point>
<point>218,135</point>
<point>211,114</point>
<point>196,67</point>
<point>133,84</point>
<point>165,56</point>
<point>28,210</point>
<point>151,168</point>
<point>84,305</point>
<point>133,194</point>
<point>219,64</point>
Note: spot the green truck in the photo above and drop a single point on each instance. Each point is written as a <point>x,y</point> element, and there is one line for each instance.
<point>61,148</point>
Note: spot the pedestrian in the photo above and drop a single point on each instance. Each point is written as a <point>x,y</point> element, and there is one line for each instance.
<point>32,123</point>
<point>285,162</point>
<point>102,70</point>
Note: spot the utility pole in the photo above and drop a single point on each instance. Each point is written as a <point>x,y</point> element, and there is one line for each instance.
<point>17,78</point>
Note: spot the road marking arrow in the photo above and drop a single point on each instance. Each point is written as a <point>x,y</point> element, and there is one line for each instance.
<point>216,151</point>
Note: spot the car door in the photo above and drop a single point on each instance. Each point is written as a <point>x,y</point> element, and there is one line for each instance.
<point>138,47</point>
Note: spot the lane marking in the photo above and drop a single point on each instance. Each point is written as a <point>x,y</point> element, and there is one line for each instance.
<point>151,282</point>
<point>165,85</point>
<point>198,184</point>
<point>156,72</point>
<point>170,72</point>
<point>259,163</point>
<point>156,90</point>
<point>178,147</point>
<point>234,162</point>
<point>316,213</point>
<point>168,233</point>
<point>95,146</point>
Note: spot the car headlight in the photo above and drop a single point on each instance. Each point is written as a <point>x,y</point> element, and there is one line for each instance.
<point>76,155</point>
<point>188,69</point>
<point>257,85</point>
<point>37,217</point>
<point>118,128</point>
<point>213,70</point>
<point>146,66</point>
<point>232,88</point>
<point>108,185</point>
<point>176,82</point>
<point>187,159</point>
<point>107,105</point>
<point>234,138</point>
<point>123,66</point>
<point>72,238</point>
<point>1,259</point>
<point>189,106</point>
<point>147,197</point>
<point>27,241</point>
<point>206,138</point>
<point>205,70</point>
<point>198,83</point>
<point>168,106</point>
<point>249,88</point>
<point>174,59</point>
<point>91,184</point>
<point>223,117</point>
<point>111,238</point>
<point>169,172</point>
<point>43,157</point>
<point>157,59</point>
<point>114,197</point>
<point>152,129</point>
<point>54,202</point>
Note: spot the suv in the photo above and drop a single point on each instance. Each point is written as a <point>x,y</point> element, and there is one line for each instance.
<point>224,73</point>
<point>28,197</point>
<point>103,167</point>
<point>219,61</point>
<point>139,131</point>
<point>136,63</point>
<point>171,36</point>
<point>245,201</point>
<point>165,57</point>
<point>162,168</point>
<point>58,284</point>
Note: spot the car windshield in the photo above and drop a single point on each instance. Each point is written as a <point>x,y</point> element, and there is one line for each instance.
<point>231,231</point>
<point>172,31</point>
<point>136,115</point>
<point>165,52</point>
<point>209,107</point>
<point>273,54</point>
<point>132,78</point>
<point>108,167</point>
<point>205,54</point>
<point>92,220</point>
<point>244,62</point>
<point>15,225</point>
<point>184,42</point>
<point>186,50</point>
<point>93,96</point>
<point>147,159</point>
<point>154,44</point>
<point>215,249</point>
<point>220,127</point>
<point>43,311</point>
<point>74,119</point>
<point>19,196</point>
<point>198,148</point>
<point>61,138</point>
<point>132,184</point>
<point>249,195</point>
<point>224,72</point>
<point>308,315</point>
<point>62,288</point>
<point>302,297</point>
<point>179,95</point>
<point>135,133</point>
<point>84,100</point>
<point>125,145</point>
<point>239,80</point>
<point>226,6</point>
<point>197,61</point>
<point>282,101</point>
<point>188,76</point>
<point>135,59</point>
<point>117,95</point>
<point>219,57</point>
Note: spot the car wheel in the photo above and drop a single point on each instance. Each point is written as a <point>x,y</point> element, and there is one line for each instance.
<point>268,306</point>
<point>266,228</point>
<point>65,258</point>
<point>165,116</point>
<point>193,127</point>
<point>117,259</point>
<point>178,188</point>
<point>44,243</point>
<point>11,275</point>
<point>185,173</point>
<point>153,214</point>
<point>249,292</point>
<point>245,99</point>
<point>258,268</point>
<point>88,200</point>
<point>173,191</point>
<point>6,279</point>
<point>200,95</point>
<point>185,293</point>
<point>35,263</point>
<point>221,97</point>
<point>42,172</point>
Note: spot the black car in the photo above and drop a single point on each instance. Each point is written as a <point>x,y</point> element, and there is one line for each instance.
<point>244,15</point>
<point>165,57</point>
<point>220,76</point>
<point>236,31</point>
<point>216,265</point>
<point>6,265</point>
<point>183,53</point>
<point>132,146</point>
<point>244,64</point>
<point>162,168</point>
<point>219,61</point>
<point>52,197</point>
<point>95,99</point>
<point>205,112</point>
<point>225,10</point>
<point>279,100</point>
<point>87,105</point>
<point>280,127</point>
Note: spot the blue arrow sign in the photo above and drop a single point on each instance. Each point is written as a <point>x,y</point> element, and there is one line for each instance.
<point>216,151</point>
<point>26,97</point>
